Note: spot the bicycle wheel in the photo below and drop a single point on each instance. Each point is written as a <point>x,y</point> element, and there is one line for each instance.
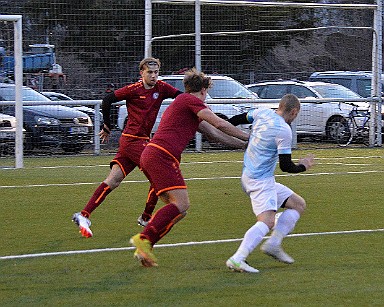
<point>344,134</point>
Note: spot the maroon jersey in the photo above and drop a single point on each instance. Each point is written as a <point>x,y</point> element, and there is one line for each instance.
<point>179,124</point>
<point>143,105</point>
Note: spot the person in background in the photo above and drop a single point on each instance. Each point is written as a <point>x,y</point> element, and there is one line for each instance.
<point>143,100</point>
<point>160,160</point>
<point>270,141</point>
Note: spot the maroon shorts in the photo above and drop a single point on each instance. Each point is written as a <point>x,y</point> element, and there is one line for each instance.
<point>162,169</point>
<point>129,152</point>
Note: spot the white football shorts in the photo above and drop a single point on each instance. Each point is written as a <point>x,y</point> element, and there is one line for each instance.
<point>266,194</point>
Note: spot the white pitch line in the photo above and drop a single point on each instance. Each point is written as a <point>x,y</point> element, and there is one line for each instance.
<point>101,250</point>
<point>202,162</point>
<point>186,179</point>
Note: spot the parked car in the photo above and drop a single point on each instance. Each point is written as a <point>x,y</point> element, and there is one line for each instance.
<point>49,125</point>
<point>358,81</point>
<point>315,119</point>
<point>223,88</point>
<point>54,96</point>
<point>7,133</point>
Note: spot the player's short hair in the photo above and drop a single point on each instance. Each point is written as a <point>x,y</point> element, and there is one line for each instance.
<point>289,102</point>
<point>149,61</point>
<point>195,81</point>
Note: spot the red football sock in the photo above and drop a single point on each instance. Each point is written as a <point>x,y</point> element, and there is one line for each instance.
<point>97,198</point>
<point>150,204</point>
<point>162,222</point>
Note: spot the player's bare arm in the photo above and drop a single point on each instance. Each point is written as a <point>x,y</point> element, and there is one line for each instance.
<point>216,135</point>
<point>308,161</point>
<point>221,124</point>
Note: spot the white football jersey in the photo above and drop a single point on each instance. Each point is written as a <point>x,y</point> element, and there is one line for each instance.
<point>270,136</point>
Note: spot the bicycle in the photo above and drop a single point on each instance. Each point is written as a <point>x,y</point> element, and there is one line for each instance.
<point>355,127</point>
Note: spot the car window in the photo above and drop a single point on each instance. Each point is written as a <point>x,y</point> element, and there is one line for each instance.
<point>8,94</point>
<point>256,89</point>
<point>342,81</point>
<point>54,98</point>
<point>178,83</point>
<point>364,87</point>
<point>229,89</point>
<point>302,92</point>
<point>273,91</point>
<point>225,88</point>
<point>57,97</point>
<point>335,91</point>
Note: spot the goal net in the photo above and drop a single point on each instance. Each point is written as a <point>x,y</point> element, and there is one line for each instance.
<point>257,41</point>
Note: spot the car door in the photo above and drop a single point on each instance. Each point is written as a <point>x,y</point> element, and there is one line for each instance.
<point>310,119</point>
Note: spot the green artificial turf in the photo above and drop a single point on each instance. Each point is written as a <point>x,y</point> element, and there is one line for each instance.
<point>336,263</point>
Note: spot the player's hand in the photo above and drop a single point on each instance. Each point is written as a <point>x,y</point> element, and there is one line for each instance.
<point>245,145</point>
<point>308,161</point>
<point>104,134</point>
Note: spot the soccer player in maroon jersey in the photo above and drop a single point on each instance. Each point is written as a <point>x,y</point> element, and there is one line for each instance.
<point>143,100</point>
<point>160,159</point>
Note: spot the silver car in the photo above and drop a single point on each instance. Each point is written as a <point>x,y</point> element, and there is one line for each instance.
<point>7,133</point>
<point>315,119</point>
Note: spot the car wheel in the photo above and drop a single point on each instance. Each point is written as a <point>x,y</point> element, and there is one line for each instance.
<point>332,128</point>
<point>343,134</point>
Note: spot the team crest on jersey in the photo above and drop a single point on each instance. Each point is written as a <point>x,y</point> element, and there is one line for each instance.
<point>155,95</point>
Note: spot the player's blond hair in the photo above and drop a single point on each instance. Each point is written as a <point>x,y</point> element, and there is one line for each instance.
<point>149,61</point>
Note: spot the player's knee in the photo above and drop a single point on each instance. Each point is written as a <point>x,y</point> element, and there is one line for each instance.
<point>270,223</point>
<point>183,207</point>
<point>296,202</point>
<point>268,218</point>
<point>113,184</point>
<point>300,205</point>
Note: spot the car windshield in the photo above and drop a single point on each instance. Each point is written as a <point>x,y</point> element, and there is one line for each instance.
<point>222,88</point>
<point>229,89</point>
<point>8,94</point>
<point>334,91</point>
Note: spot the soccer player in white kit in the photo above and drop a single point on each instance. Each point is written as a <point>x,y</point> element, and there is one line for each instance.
<point>270,141</point>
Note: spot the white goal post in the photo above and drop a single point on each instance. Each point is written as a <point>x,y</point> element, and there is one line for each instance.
<point>18,72</point>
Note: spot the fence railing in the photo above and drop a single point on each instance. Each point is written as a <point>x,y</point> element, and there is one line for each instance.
<point>316,120</point>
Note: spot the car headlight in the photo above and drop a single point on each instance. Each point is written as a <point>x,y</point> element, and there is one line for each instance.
<point>41,120</point>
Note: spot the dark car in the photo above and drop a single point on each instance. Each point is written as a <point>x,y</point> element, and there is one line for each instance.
<point>57,97</point>
<point>48,126</point>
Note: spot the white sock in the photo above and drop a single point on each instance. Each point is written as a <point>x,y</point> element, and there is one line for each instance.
<point>251,239</point>
<point>284,226</point>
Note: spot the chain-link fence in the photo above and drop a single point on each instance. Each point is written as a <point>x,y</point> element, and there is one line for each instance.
<point>95,46</point>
